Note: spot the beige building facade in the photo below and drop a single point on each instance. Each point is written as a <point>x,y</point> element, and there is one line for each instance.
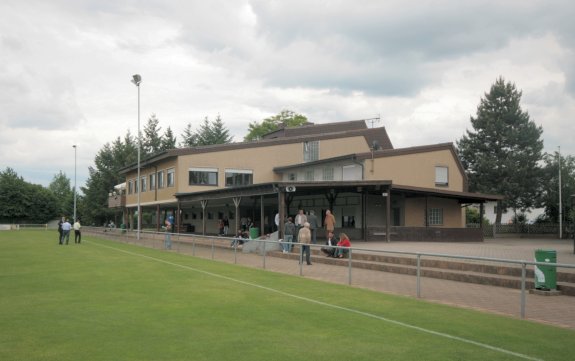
<point>374,190</point>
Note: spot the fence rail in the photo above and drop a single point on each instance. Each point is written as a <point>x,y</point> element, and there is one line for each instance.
<point>418,274</point>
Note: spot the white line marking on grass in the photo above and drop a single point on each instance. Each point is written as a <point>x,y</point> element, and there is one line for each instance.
<point>370,315</point>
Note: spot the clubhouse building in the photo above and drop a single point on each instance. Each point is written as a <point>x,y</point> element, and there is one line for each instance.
<point>375,192</point>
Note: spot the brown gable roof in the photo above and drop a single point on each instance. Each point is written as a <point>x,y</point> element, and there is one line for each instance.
<point>370,134</point>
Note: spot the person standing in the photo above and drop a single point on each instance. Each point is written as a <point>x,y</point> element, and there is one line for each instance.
<point>168,238</point>
<point>226,225</point>
<point>300,219</point>
<point>66,227</point>
<point>304,237</point>
<point>329,221</point>
<point>60,222</point>
<point>77,233</point>
<point>313,225</point>
<point>289,232</point>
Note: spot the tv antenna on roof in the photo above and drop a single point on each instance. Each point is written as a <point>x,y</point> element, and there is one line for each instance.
<point>373,120</point>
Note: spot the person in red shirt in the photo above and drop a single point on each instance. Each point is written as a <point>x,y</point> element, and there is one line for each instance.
<point>343,242</point>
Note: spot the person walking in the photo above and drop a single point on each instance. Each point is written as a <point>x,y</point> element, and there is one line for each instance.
<point>77,233</point>
<point>66,227</point>
<point>304,237</point>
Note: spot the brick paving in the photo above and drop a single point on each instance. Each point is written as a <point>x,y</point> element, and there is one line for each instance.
<point>556,310</point>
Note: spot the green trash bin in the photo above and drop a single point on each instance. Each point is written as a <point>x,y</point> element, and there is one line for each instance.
<point>546,276</point>
<point>254,232</point>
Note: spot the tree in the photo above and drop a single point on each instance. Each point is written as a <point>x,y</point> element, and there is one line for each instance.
<point>188,137</point>
<point>168,140</point>
<point>22,202</point>
<point>213,133</point>
<point>61,189</point>
<point>550,189</point>
<point>501,153</point>
<point>104,176</point>
<point>286,118</point>
<point>152,140</point>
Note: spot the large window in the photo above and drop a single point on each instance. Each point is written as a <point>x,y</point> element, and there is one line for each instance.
<point>171,177</point>
<point>160,179</point>
<point>441,176</point>
<point>152,181</point>
<point>143,180</point>
<point>311,151</point>
<point>239,177</point>
<point>203,176</point>
<point>130,186</point>
<point>309,175</point>
<point>435,216</point>
<point>327,173</point>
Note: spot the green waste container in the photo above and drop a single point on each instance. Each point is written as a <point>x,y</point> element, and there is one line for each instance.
<point>546,276</point>
<point>254,232</point>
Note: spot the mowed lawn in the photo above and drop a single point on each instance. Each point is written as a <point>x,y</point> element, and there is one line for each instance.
<point>103,300</point>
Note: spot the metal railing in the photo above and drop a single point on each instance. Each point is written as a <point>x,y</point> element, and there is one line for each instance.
<point>256,253</point>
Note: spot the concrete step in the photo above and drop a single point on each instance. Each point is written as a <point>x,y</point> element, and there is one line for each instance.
<point>474,272</point>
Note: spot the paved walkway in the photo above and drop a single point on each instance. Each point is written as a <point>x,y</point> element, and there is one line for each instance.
<point>556,310</point>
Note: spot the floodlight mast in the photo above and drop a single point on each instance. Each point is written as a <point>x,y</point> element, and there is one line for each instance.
<point>137,79</point>
<point>75,189</point>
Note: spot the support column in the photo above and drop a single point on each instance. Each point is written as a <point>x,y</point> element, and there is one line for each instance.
<point>179,218</point>
<point>237,201</point>
<point>262,216</point>
<point>281,212</point>
<point>204,205</point>
<point>158,223</point>
<point>388,215</point>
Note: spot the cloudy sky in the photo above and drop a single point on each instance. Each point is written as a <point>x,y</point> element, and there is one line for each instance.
<point>421,66</point>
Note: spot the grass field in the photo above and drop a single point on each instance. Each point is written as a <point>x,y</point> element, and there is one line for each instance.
<point>103,300</point>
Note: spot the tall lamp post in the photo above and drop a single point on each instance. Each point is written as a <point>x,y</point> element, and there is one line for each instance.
<point>75,189</point>
<point>137,79</point>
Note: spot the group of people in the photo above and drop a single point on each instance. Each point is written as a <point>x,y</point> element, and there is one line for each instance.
<point>304,230</point>
<point>64,228</point>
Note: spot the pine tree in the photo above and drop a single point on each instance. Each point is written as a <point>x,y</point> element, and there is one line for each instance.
<point>152,140</point>
<point>501,153</point>
<point>168,140</point>
<point>188,137</point>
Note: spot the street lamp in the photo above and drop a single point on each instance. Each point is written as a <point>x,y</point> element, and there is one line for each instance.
<point>75,189</point>
<point>137,79</point>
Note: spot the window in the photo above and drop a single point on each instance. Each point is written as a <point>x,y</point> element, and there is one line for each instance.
<point>309,175</point>
<point>292,177</point>
<point>171,177</point>
<point>238,177</point>
<point>130,186</point>
<point>136,185</point>
<point>144,181</point>
<point>327,173</point>
<point>161,179</point>
<point>311,151</point>
<point>152,181</point>
<point>441,176</point>
<point>203,176</point>
<point>435,216</point>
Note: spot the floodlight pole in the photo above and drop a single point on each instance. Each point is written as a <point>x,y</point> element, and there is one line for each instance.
<point>75,189</point>
<point>137,79</point>
<point>560,200</point>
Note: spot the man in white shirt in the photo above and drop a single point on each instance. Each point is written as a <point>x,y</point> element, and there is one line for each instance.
<point>66,227</point>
